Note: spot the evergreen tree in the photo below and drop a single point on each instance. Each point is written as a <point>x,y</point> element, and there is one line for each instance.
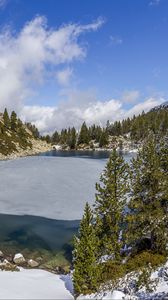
<point>148,216</point>
<point>103,139</point>
<point>13,121</point>
<point>110,203</point>
<point>6,119</point>
<point>83,135</point>
<point>86,270</point>
<point>55,137</point>
<point>72,138</point>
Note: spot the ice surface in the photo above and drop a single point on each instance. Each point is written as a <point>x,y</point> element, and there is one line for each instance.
<point>53,187</point>
<point>34,284</point>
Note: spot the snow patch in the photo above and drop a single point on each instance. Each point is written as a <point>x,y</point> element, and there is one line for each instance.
<point>34,284</point>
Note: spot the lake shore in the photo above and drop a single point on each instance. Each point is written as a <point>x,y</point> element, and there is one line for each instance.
<point>38,146</point>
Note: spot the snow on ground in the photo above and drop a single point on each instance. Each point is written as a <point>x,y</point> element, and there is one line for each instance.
<point>53,187</point>
<point>126,289</point>
<point>34,284</point>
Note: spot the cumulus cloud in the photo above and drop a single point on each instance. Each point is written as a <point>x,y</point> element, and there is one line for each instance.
<point>130,96</point>
<point>25,57</point>
<point>63,76</point>
<point>145,106</point>
<point>91,110</point>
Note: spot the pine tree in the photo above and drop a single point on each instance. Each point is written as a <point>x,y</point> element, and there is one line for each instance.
<point>86,270</point>
<point>13,121</point>
<point>147,218</point>
<point>83,135</point>
<point>6,119</point>
<point>103,139</point>
<point>72,138</point>
<point>110,204</point>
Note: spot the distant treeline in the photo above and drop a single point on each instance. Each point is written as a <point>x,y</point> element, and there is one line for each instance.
<point>137,127</point>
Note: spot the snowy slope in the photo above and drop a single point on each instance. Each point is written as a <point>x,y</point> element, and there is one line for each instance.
<point>126,289</point>
<point>34,284</point>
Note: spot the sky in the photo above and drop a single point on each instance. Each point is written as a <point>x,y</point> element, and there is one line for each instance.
<point>63,62</point>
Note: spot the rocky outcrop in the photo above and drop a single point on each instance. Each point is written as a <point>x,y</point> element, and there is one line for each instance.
<point>38,146</point>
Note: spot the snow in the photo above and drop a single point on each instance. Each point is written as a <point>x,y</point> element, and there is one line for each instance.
<point>126,288</point>
<point>113,295</point>
<point>34,284</point>
<point>53,187</point>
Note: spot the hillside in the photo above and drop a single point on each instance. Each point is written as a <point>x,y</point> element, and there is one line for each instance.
<point>126,134</point>
<point>18,139</point>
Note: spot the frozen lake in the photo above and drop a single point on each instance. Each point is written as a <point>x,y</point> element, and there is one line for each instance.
<point>42,196</point>
<point>54,185</point>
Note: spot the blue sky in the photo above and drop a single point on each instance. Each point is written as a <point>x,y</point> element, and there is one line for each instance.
<point>116,64</point>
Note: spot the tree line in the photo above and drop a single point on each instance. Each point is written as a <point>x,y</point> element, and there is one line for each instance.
<point>119,235</point>
<point>137,127</point>
<point>12,132</point>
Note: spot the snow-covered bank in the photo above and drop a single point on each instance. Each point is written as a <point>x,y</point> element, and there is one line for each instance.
<point>127,288</point>
<point>34,284</point>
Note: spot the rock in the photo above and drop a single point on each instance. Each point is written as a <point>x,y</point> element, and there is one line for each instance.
<point>9,258</point>
<point>1,254</point>
<point>19,259</point>
<point>39,259</point>
<point>32,263</point>
<point>7,266</point>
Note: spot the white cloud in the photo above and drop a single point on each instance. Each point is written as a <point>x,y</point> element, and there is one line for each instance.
<point>26,56</point>
<point>26,59</point>
<point>114,40</point>
<point>63,76</point>
<point>154,2</point>
<point>130,96</point>
<point>145,106</point>
<point>80,107</point>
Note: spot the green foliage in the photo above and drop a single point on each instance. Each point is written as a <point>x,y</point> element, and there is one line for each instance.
<point>144,226</point>
<point>144,259</point>
<point>110,203</point>
<point>148,217</point>
<point>86,269</point>
<point>6,119</point>
<point>72,138</point>
<point>13,121</point>
<point>14,134</point>
<point>136,129</point>
<point>103,139</point>
<point>33,130</point>
<point>112,270</point>
<point>84,137</point>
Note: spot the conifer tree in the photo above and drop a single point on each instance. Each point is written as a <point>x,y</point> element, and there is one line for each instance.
<point>148,217</point>
<point>110,204</point>
<point>86,270</point>
<point>103,139</point>
<point>83,135</point>
<point>72,138</point>
<point>6,119</point>
<point>13,121</point>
